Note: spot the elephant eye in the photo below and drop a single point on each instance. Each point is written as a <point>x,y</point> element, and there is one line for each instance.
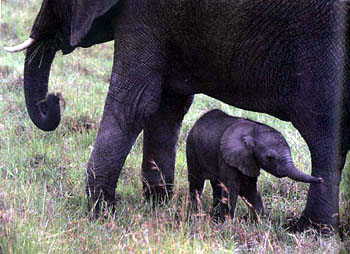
<point>270,157</point>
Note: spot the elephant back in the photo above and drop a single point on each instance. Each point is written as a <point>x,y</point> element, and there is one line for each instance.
<point>204,138</point>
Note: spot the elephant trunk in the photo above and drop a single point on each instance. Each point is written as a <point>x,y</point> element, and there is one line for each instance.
<point>43,109</point>
<point>299,176</point>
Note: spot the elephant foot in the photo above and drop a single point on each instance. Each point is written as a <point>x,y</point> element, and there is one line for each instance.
<point>157,194</point>
<point>101,210</point>
<point>344,230</point>
<point>101,203</point>
<point>219,213</point>
<point>302,224</point>
<point>218,218</point>
<point>252,218</point>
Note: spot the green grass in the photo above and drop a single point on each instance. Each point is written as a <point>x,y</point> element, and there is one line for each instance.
<point>42,175</point>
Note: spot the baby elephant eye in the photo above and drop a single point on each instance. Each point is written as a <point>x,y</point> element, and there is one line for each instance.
<point>270,157</point>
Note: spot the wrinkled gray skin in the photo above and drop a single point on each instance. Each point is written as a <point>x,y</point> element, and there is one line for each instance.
<point>230,152</point>
<point>285,58</point>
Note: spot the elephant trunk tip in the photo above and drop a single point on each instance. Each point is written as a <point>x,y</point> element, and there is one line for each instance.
<point>49,119</point>
<point>313,179</point>
<point>299,176</point>
<point>319,180</point>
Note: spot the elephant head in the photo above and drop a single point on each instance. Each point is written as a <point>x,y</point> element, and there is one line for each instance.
<point>60,25</point>
<point>249,146</point>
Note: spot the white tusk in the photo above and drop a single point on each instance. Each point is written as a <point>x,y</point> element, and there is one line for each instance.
<point>21,46</point>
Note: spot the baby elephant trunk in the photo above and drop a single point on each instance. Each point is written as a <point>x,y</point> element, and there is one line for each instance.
<point>299,176</point>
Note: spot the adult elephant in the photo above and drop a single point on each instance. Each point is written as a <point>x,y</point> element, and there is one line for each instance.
<point>289,59</point>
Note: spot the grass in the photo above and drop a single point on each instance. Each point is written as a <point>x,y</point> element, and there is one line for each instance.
<point>42,198</point>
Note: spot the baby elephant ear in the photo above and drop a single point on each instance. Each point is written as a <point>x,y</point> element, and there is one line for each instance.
<point>237,145</point>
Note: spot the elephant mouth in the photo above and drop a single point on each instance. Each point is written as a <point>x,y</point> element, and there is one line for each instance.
<point>276,173</point>
<point>280,175</point>
<point>54,42</point>
<point>41,46</point>
<point>38,45</point>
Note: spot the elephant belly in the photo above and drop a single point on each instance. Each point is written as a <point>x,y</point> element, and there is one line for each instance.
<point>245,59</point>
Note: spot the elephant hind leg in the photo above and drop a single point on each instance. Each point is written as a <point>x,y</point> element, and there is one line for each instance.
<point>196,184</point>
<point>327,147</point>
<point>322,207</point>
<point>215,184</point>
<point>195,179</point>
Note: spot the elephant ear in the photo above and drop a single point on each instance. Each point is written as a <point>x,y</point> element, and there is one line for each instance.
<point>84,13</point>
<point>237,145</point>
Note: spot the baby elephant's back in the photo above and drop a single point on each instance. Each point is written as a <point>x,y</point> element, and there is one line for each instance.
<point>204,138</point>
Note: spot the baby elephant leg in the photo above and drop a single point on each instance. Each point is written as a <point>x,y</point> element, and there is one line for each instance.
<point>215,184</point>
<point>195,179</point>
<point>220,206</point>
<point>196,189</point>
<point>229,187</point>
<point>251,196</point>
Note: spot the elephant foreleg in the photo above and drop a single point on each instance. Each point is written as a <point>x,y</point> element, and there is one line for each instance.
<point>230,187</point>
<point>220,200</point>
<point>249,191</point>
<point>108,156</point>
<point>127,111</point>
<point>159,146</point>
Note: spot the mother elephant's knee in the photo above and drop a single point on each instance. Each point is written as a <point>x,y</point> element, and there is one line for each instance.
<point>151,107</point>
<point>133,108</point>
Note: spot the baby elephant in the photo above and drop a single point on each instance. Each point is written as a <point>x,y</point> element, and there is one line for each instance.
<point>230,151</point>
